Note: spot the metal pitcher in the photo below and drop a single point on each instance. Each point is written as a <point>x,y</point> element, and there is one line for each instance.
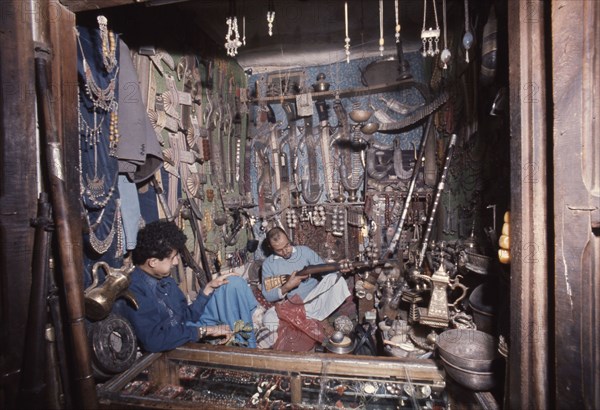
<point>99,299</point>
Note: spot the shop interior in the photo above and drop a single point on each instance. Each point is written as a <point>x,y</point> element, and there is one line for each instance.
<point>376,133</point>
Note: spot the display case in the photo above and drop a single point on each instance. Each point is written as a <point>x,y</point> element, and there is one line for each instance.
<point>226,377</point>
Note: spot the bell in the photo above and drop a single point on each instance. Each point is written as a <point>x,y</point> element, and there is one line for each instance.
<point>99,299</point>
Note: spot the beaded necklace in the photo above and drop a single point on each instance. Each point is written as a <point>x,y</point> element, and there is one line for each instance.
<point>109,44</point>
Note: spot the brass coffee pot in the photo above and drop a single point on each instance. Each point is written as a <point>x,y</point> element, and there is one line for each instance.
<point>99,299</point>
<point>437,315</point>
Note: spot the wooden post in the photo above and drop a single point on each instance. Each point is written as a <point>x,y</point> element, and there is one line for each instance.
<point>528,355</point>
<point>296,388</point>
<point>18,189</point>
<point>163,371</point>
<point>576,142</point>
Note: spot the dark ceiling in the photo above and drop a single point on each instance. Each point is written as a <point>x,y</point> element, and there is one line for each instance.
<point>305,32</point>
<point>310,32</point>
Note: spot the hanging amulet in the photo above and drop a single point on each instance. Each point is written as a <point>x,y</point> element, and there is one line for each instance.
<point>445,57</point>
<point>467,42</point>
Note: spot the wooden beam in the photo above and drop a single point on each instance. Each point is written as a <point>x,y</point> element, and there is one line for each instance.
<point>528,356</point>
<point>84,5</point>
<point>350,366</point>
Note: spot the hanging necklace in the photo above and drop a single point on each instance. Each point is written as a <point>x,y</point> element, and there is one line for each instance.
<point>430,37</point>
<point>91,133</point>
<point>232,39</point>
<point>446,55</point>
<point>381,40</point>
<point>109,44</point>
<point>467,39</point>
<point>270,17</point>
<point>102,98</point>
<point>244,30</point>
<point>102,245</point>
<point>347,38</point>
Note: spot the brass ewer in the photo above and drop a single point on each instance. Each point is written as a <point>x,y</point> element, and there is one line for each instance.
<point>99,299</point>
<point>436,314</point>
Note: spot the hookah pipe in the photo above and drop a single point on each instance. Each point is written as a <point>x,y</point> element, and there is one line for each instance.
<point>394,242</point>
<point>440,188</point>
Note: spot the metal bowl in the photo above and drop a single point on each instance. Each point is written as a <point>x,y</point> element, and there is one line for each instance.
<point>360,115</point>
<point>468,349</point>
<point>344,346</point>
<point>369,128</point>
<point>477,263</point>
<point>477,381</point>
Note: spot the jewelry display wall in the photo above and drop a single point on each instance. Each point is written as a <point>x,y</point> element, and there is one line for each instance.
<point>98,95</point>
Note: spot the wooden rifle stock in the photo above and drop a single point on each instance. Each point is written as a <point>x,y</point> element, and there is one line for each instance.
<point>34,361</point>
<point>62,215</point>
<point>320,270</point>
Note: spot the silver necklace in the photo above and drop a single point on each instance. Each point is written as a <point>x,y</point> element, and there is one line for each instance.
<point>102,98</point>
<point>102,245</point>
<point>430,37</point>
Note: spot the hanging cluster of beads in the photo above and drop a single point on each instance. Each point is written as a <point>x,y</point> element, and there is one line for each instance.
<point>318,216</point>
<point>304,215</point>
<point>113,134</point>
<point>109,44</point>
<point>338,222</point>
<point>232,39</point>
<point>291,219</point>
<point>430,37</point>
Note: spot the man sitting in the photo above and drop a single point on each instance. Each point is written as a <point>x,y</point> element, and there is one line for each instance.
<point>164,320</point>
<point>319,298</point>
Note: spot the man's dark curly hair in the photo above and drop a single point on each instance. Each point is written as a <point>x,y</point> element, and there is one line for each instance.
<point>157,240</point>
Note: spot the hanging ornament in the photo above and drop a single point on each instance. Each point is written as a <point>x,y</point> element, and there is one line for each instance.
<point>244,30</point>
<point>109,44</point>
<point>467,39</point>
<point>430,37</point>
<point>397,28</point>
<point>232,39</point>
<point>347,38</point>
<point>271,17</point>
<point>381,40</point>
<point>446,54</point>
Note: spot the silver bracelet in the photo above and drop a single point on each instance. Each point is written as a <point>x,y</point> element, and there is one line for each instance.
<point>202,332</point>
